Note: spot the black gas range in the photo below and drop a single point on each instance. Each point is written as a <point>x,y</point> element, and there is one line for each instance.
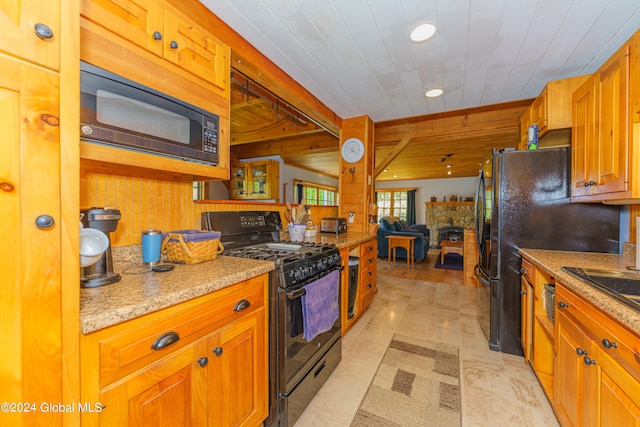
<point>299,364</point>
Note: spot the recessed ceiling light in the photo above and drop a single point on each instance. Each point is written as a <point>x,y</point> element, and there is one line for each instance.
<point>422,32</point>
<point>448,172</point>
<point>386,170</point>
<point>433,93</point>
<point>448,166</point>
<point>395,176</point>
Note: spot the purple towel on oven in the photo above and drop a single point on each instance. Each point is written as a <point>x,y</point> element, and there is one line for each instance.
<point>320,305</point>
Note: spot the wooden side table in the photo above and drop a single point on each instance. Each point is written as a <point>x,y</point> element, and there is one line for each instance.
<point>446,247</point>
<point>405,242</point>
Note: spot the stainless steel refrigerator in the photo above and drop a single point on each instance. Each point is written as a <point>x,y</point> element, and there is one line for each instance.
<point>526,204</point>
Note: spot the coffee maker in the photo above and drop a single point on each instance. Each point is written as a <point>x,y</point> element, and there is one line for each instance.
<point>101,273</point>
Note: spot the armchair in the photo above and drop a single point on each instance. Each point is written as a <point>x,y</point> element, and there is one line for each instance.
<point>399,227</point>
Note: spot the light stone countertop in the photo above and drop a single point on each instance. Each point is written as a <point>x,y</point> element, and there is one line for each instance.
<point>139,294</point>
<point>552,261</point>
<point>141,291</point>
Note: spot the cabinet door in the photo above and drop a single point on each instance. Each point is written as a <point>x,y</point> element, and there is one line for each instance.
<point>138,21</point>
<point>613,136</point>
<point>526,305</point>
<point>539,111</point>
<point>571,372</point>
<point>583,139</point>
<point>195,50</point>
<point>30,255</point>
<point>239,376</point>
<point>619,394</point>
<point>238,186</point>
<point>171,392</point>
<point>18,20</point>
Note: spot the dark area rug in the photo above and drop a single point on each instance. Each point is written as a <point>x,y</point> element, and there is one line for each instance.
<point>417,384</point>
<point>451,262</point>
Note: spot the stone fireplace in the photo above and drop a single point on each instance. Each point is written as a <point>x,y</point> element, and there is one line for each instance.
<point>442,214</point>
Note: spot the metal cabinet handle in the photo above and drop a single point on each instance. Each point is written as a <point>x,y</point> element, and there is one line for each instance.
<point>590,183</point>
<point>165,340</point>
<point>609,344</point>
<point>217,351</point>
<point>588,361</point>
<point>562,305</point>
<point>157,35</point>
<point>523,271</point>
<point>43,31</point>
<point>203,361</point>
<point>6,186</point>
<point>173,44</point>
<point>45,222</point>
<point>581,352</point>
<point>241,305</point>
<point>523,292</point>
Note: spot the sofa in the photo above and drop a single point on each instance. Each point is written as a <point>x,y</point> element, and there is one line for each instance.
<point>398,227</point>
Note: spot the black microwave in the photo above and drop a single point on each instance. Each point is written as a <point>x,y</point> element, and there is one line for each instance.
<point>117,111</point>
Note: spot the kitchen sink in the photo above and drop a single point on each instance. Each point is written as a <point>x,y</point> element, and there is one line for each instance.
<point>624,286</point>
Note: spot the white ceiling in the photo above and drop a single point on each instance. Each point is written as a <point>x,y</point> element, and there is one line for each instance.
<point>354,55</point>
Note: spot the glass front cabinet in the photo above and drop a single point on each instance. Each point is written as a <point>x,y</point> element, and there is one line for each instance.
<point>258,180</point>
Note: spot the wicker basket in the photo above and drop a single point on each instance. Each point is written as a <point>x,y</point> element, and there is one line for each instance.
<point>191,246</point>
<point>549,300</point>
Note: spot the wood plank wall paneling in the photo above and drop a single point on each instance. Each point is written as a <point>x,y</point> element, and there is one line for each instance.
<point>164,205</point>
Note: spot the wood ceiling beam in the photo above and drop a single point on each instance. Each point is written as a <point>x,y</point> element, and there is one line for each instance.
<point>392,155</point>
<point>320,143</point>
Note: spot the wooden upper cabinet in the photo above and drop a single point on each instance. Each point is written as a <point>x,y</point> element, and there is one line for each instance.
<point>635,79</point>
<point>31,30</point>
<point>194,49</point>
<point>600,138</point>
<point>159,28</point>
<point>134,20</point>
<point>259,180</point>
<point>612,129</point>
<point>551,110</point>
<point>583,138</point>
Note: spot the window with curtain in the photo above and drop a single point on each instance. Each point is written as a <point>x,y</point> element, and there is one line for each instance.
<point>392,203</point>
<point>315,194</point>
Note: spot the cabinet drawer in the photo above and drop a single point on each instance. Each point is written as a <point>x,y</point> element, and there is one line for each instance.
<point>527,270</point>
<point>612,338</point>
<point>367,260</point>
<point>124,348</point>
<point>368,248</point>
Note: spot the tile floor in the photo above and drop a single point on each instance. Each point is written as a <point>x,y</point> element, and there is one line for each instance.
<point>431,304</point>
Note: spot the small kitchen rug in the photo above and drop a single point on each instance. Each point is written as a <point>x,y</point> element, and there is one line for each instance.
<point>417,384</point>
<point>451,262</point>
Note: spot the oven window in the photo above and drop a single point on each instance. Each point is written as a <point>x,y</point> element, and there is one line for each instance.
<point>131,114</point>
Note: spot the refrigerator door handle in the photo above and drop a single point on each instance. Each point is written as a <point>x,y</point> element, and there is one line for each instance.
<point>481,276</point>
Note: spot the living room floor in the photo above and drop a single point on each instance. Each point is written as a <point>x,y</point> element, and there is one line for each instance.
<point>431,304</point>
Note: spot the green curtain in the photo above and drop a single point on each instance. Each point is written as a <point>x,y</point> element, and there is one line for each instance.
<point>411,207</point>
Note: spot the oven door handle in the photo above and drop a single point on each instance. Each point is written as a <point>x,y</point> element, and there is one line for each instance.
<point>295,294</point>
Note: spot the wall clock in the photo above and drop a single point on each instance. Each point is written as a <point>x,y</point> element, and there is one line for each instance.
<point>352,150</point>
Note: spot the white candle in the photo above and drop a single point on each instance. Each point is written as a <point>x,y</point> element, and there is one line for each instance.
<point>637,242</point>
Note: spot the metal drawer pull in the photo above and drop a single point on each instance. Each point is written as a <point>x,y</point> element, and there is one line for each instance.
<point>217,351</point>
<point>165,340</point>
<point>588,361</point>
<point>203,361</point>
<point>43,31</point>
<point>157,35</point>
<point>609,344</point>
<point>173,44</point>
<point>241,305</point>
<point>581,352</point>
<point>562,305</point>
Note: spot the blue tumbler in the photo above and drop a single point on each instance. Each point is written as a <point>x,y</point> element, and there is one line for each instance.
<point>151,243</point>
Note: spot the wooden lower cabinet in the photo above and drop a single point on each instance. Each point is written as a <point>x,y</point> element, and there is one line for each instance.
<point>526,306</point>
<point>367,280</point>
<point>470,257</point>
<point>597,375</point>
<point>215,374</point>
<point>368,269</point>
